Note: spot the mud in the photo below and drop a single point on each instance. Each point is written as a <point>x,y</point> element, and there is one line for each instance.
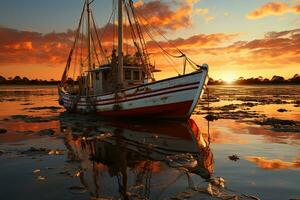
<point>33,119</point>
<point>280,125</point>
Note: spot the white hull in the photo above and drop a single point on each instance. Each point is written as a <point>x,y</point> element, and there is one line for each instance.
<point>173,98</point>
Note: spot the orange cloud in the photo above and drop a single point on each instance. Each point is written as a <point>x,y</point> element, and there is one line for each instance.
<point>273,8</point>
<point>19,47</point>
<point>204,12</point>
<point>276,49</point>
<point>33,47</point>
<point>163,15</point>
<point>275,164</point>
<point>196,41</point>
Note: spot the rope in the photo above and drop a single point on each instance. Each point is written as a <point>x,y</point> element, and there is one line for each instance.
<point>192,63</point>
<point>64,76</point>
<point>160,33</point>
<point>208,121</point>
<point>95,51</point>
<point>110,18</point>
<point>114,25</point>
<point>98,39</point>
<point>145,59</point>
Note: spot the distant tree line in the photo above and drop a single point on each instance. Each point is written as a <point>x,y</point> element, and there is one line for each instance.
<point>17,80</point>
<point>259,81</point>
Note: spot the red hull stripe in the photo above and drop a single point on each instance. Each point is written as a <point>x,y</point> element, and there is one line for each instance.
<point>137,98</point>
<point>132,99</point>
<point>176,110</point>
<point>147,92</point>
<point>152,91</point>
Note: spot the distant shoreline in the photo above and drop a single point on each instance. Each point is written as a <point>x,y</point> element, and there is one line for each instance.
<point>275,80</point>
<point>262,84</point>
<point>31,84</point>
<point>223,84</point>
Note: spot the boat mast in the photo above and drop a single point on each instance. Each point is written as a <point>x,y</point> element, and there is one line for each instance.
<point>88,33</point>
<point>120,43</point>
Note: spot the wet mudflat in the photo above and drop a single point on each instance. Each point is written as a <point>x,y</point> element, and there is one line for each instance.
<point>244,144</point>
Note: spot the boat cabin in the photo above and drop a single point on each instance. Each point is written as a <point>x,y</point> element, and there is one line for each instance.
<point>103,78</point>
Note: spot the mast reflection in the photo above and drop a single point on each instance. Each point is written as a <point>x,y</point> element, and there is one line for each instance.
<point>138,160</point>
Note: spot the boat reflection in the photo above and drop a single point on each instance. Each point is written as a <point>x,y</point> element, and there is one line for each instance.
<point>138,160</point>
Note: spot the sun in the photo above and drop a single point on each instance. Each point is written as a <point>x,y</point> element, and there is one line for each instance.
<point>228,77</point>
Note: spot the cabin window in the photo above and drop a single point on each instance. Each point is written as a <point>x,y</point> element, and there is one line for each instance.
<point>136,75</point>
<point>104,75</point>
<point>127,75</point>
<point>97,75</point>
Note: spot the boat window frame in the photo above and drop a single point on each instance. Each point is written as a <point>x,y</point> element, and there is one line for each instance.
<point>136,78</point>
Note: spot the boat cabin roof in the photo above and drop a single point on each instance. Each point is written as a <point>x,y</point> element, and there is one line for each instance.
<point>108,68</point>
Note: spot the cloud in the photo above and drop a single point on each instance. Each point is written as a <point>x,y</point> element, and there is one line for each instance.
<point>167,15</point>
<point>273,8</point>
<point>18,47</point>
<point>275,164</point>
<point>204,13</point>
<point>276,49</point>
<point>33,47</point>
<point>196,41</point>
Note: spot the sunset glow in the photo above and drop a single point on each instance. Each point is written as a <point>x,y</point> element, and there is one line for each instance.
<point>249,38</point>
<point>228,77</point>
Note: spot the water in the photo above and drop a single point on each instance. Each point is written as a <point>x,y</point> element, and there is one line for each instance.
<point>100,159</point>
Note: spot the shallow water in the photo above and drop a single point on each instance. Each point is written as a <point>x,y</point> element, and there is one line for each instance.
<point>151,160</point>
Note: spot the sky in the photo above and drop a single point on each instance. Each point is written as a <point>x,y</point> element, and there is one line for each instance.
<point>235,38</point>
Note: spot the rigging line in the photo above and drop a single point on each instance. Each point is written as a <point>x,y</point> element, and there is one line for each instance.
<point>81,83</point>
<point>142,42</point>
<point>75,41</point>
<point>114,27</point>
<point>97,35</point>
<point>126,35</point>
<point>81,48</point>
<point>78,29</point>
<point>139,31</point>
<point>164,52</point>
<point>208,122</point>
<point>95,51</point>
<point>144,46</point>
<point>170,63</point>
<point>192,63</point>
<point>91,2</point>
<point>110,18</point>
<point>157,43</point>
<point>134,38</point>
<point>159,32</point>
<point>132,32</point>
<point>75,62</point>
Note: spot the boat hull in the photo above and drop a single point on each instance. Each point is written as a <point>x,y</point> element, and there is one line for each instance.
<point>170,98</point>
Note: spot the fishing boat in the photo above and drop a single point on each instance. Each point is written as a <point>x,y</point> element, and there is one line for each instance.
<point>122,83</point>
